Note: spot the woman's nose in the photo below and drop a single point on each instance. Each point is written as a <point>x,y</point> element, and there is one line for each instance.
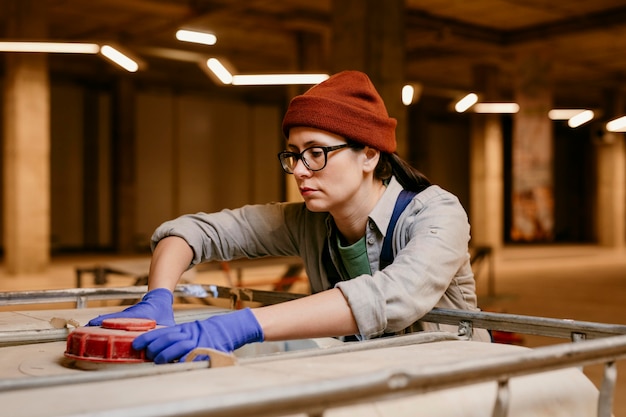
<point>300,170</point>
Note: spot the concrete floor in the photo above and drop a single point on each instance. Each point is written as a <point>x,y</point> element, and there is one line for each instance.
<point>575,282</point>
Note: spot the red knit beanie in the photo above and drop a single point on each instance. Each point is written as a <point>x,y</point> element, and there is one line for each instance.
<point>346,104</point>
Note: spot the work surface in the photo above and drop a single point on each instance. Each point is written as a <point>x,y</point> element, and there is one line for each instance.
<point>576,283</point>
<point>36,380</point>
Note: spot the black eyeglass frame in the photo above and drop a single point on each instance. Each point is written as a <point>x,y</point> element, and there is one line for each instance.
<point>299,156</point>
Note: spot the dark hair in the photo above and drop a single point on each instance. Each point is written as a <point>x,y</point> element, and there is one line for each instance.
<point>409,177</point>
<point>390,164</point>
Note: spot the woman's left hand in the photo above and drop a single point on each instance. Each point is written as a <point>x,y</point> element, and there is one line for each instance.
<point>225,332</point>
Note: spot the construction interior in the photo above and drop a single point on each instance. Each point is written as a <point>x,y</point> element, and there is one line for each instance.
<point>95,157</point>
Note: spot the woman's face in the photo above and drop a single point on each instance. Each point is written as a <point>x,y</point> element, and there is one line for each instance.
<point>335,186</point>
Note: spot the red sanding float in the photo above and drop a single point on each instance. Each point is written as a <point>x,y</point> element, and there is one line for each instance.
<point>109,344</point>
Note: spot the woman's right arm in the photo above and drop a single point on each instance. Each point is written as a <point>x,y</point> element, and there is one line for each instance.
<point>171,257</point>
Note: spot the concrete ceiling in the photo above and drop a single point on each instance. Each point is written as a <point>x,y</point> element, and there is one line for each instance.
<point>445,39</point>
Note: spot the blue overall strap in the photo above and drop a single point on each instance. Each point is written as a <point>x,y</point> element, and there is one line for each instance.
<point>386,255</point>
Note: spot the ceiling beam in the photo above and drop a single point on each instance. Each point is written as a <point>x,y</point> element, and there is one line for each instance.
<point>420,20</point>
<point>574,25</point>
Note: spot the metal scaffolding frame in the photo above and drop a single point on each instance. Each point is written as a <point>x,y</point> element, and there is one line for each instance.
<point>595,343</point>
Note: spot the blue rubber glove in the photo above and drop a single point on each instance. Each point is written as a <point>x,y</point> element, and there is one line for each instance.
<point>224,332</point>
<point>155,305</point>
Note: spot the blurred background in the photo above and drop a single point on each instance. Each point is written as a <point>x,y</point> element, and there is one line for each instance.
<point>113,121</point>
<point>513,105</point>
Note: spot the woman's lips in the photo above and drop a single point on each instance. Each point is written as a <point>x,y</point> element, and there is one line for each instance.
<point>305,191</point>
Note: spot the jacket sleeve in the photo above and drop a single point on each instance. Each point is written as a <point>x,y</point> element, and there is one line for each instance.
<point>431,259</point>
<point>250,231</point>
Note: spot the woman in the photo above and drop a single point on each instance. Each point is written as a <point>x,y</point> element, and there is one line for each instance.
<point>340,149</point>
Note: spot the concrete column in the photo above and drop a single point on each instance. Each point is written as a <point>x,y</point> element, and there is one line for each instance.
<point>124,167</point>
<point>26,198</point>
<point>91,167</point>
<point>611,182</point>
<point>611,215</point>
<point>532,176</point>
<point>486,167</point>
<point>368,35</point>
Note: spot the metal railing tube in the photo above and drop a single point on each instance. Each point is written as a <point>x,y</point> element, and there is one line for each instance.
<point>312,397</point>
<point>607,389</point>
<point>542,326</point>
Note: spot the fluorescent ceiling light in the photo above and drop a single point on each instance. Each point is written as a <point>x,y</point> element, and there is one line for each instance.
<point>580,118</point>
<point>563,114</point>
<point>496,108</point>
<point>617,125</point>
<point>204,38</point>
<point>278,79</point>
<point>466,102</point>
<point>50,47</point>
<point>407,94</point>
<point>219,70</point>
<point>119,58</point>
<point>226,77</point>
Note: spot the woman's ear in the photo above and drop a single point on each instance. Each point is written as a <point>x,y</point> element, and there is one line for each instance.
<point>371,158</point>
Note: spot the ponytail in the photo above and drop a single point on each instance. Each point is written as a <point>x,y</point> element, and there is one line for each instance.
<point>390,164</point>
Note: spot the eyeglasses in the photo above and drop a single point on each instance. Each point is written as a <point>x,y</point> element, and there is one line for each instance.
<point>314,158</point>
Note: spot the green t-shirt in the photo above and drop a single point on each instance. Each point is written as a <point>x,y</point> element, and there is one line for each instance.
<point>354,258</point>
